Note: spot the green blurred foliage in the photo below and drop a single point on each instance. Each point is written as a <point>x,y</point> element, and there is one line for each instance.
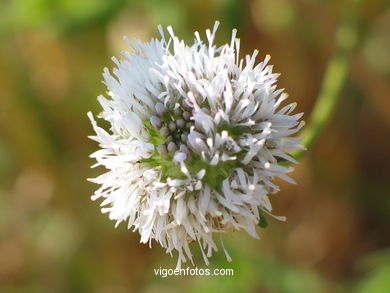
<point>378,278</point>
<point>54,239</point>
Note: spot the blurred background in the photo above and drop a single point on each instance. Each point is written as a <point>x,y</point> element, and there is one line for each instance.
<point>53,238</point>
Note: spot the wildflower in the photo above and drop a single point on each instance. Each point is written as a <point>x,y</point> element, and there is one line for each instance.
<point>195,140</point>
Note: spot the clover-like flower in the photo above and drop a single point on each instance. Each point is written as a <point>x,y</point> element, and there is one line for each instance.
<point>194,144</point>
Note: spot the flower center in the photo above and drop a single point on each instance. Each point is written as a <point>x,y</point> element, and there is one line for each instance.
<point>173,125</point>
<point>169,131</point>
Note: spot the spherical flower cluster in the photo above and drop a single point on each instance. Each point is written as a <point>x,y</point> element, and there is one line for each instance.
<point>196,139</point>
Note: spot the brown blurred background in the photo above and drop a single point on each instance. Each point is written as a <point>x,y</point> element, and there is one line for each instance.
<point>53,238</point>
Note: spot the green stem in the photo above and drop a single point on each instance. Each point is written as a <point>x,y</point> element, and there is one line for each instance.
<point>334,78</point>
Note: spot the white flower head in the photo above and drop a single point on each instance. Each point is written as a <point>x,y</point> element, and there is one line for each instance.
<point>195,140</point>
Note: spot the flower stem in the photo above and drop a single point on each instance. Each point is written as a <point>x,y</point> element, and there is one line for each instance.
<point>334,78</point>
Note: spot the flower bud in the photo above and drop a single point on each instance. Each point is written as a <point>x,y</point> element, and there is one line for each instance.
<point>184,137</point>
<point>184,149</point>
<point>162,150</point>
<point>186,115</point>
<point>160,108</point>
<point>172,126</point>
<point>180,123</point>
<point>179,157</point>
<point>164,131</point>
<point>172,147</point>
<point>156,122</point>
